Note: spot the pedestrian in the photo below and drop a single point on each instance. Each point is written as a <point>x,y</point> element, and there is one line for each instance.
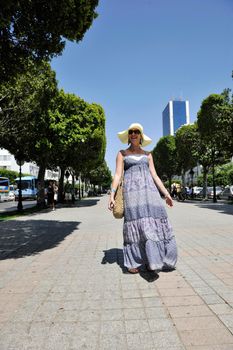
<point>148,236</point>
<point>55,197</point>
<point>50,195</point>
<point>174,191</point>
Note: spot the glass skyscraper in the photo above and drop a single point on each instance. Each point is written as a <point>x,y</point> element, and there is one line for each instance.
<point>175,114</point>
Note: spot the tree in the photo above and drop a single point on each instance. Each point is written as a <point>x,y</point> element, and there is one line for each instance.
<point>185,140</point>
<point>101,176</point>
<point>212,120</point>
<point>165,158</point>
<point>80,134</point>
<point>10,174</point>
<point>25,119</point>
<point>36,30</point>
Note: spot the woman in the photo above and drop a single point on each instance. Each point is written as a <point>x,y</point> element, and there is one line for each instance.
<point>148,235</point>
<point>50,195</point>
<point>55,197</point>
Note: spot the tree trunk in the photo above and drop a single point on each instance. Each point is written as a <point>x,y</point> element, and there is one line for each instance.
<point>41,187</point>
<point>183,178</point>
<point>170,183</point>
<point>205,196</point>
<point>61,186</point>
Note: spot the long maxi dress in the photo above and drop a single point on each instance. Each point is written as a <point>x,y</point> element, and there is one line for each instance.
<point>148,236</point>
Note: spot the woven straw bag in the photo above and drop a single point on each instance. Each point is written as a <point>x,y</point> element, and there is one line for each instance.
<point>118,209</point>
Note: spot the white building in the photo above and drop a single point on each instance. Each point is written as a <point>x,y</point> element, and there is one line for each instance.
<point>7,161</point>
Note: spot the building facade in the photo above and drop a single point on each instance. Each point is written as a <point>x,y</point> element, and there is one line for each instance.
<point>175,114</point>
<point>7,161</point>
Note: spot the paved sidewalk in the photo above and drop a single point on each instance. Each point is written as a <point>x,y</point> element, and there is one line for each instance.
<point>62,285</point>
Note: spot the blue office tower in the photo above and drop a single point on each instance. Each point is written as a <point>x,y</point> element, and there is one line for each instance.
<point>175,114</point>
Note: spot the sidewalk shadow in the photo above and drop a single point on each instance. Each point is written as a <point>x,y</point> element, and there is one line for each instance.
<point>115,255</point>
<point>87,202</point>
<point>25,238</point>
<point>78,203</point>
<point>221,207</point>
<point>112,256</point>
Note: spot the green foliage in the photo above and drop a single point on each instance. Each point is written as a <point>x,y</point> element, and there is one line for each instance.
<point>186,140</point>
<point>223,176</point>
<point>101,176</point>
<point>215,123</point>
<point>79,132</point>
<point>24,120</point>
<point>165,157</point>
<point>10,174</point>
<point>36,29</point>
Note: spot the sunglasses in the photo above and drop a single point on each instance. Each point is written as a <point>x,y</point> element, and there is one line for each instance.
<point>136,132</point>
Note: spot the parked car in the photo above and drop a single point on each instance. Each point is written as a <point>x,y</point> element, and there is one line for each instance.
<point>227,193</point>
<point>197,190</point>
<point>210,192</point>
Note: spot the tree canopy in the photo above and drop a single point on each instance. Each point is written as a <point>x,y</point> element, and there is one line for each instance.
<point>37,30</point>
<point>79,129</point>
<point>215,122</point>
<point>24,117</point>
<point>185,138</point>
<point>165,159</point>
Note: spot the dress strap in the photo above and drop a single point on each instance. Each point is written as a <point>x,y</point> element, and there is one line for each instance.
<point>147,153</point>
<point>123,152</point>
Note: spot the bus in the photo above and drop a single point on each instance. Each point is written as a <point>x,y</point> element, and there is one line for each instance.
<point>4,188</point>
<point>28,187</point>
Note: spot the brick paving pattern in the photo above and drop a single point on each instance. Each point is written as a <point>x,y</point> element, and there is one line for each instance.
<point>63,286</point>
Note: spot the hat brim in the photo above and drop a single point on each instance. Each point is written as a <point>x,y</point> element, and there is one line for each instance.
<point>123,136</point>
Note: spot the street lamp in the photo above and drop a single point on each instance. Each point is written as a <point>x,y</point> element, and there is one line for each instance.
<point>20,162</point>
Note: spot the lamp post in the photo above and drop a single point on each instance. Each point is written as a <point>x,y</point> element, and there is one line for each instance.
<point>20,162</point>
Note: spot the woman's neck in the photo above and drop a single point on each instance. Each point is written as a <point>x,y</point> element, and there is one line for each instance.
<point>134,149</point>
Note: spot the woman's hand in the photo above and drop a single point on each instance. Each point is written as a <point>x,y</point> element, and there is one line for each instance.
<point>169,200</point>
<point>111,202</point>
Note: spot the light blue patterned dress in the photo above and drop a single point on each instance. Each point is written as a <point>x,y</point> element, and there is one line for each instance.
<point>148,235</point>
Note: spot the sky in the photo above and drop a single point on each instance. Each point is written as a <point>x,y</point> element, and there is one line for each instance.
<point>139,54</point>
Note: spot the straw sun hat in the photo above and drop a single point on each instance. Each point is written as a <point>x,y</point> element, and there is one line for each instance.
<point>124,137</point>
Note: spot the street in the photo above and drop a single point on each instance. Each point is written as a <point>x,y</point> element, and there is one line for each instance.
<point>11,206</point>
<point>63,285</point>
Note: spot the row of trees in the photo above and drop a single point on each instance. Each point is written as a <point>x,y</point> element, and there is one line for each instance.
<point>209,141</point>
<point>39,122</point>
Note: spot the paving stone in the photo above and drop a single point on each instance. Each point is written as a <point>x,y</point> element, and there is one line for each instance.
<point>138,341</point>
<point>137,326</point>
<point>203,322</point>
<point>166,340</point>
<point>183,301</point>
<point>112,327</point>
<point>211,347</point>
<point>206,337</point>
<point>112,341</point>
<point>189,311</point>
<point>135,314</point>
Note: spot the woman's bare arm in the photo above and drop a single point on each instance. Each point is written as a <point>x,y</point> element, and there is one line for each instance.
<point>158,182</point>
<point>116,179</point>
